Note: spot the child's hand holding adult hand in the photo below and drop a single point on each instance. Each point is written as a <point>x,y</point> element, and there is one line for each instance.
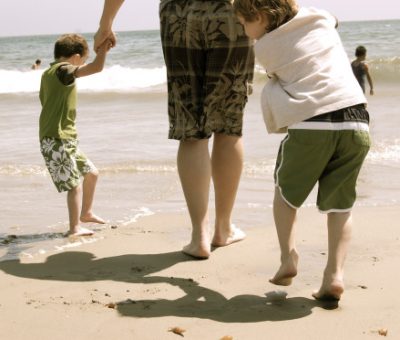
<point>103,36</point>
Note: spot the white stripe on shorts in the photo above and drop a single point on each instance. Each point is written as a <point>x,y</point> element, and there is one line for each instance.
<point>330,126</point>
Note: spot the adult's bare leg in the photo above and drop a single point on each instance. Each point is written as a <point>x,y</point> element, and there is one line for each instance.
<point>194,170</point>
<point>227,165</point>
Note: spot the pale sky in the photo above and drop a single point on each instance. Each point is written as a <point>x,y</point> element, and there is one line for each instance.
<point>30,17</point>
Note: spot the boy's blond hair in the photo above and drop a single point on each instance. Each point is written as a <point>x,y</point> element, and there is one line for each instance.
<point>277,12</point>
<point>69,44</point>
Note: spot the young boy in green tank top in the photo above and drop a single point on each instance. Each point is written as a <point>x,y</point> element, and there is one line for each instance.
<point>57,131</point>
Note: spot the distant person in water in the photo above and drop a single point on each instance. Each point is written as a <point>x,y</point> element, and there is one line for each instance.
<point>36,65</point>
<point>360,69</point>
<point>58,137</point>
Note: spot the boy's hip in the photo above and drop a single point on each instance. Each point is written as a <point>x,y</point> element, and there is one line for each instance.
<point>331,158</point>
<point>65,162</point>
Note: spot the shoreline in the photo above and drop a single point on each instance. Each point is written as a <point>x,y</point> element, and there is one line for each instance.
<point>135,282</point>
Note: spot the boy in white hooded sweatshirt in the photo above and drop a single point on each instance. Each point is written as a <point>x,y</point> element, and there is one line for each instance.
<point>313,96</point>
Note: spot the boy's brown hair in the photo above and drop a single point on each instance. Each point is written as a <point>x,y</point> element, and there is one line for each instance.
<point>361,51</point>
<point>277,12</point>
<point>69,44</point>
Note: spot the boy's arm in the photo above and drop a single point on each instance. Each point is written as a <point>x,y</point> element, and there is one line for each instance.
<point>96,65</point>
<point>110,10</point>
<point>369,78</point>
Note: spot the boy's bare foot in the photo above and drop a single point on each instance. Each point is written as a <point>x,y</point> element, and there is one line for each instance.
<point>199,252</point>
<point>287,270</point>
<point>80,231</point>
<point>222,239</point>
<point>330,291</point>
<point>89,217</point>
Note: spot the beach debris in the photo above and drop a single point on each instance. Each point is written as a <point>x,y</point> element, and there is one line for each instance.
<point>276,295</point>
<point>177,330</point>
<point>114,227</point>
<point>363,287</point>
<point>383,331</point>
<point>227,337</point>
<point>111,305</point>
<point>106,294</point>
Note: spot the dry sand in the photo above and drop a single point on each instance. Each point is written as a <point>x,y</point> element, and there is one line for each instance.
<point>152,287</point>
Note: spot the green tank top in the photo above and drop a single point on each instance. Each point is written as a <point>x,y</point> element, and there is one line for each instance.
<point>58,115</point>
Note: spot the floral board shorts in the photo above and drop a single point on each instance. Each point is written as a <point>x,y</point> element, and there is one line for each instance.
<point>210,63</point>
<point>65,162</point>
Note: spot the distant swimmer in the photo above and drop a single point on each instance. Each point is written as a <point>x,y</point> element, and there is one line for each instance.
<point>360,69</point>
<point>36,65</point>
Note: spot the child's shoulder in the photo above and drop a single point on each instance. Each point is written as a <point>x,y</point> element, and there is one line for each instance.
<point>62,70</point>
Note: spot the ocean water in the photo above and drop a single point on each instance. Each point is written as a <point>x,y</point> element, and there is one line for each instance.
<point>122,126</point>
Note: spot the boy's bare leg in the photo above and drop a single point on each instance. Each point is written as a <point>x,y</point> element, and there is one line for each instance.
<point>74,209</point>
<point>339,234</point>
<point>89,187</point>
<point>227,165</point>
<point>195,174</point>
<point>285,217</point>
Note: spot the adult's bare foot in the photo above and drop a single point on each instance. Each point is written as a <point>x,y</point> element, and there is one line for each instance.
<point>89,217</point>
<point>330,291</point>
<point>198,251</point>
<point>80,231</point>
<point>287,271</point>
<point>222,239</point>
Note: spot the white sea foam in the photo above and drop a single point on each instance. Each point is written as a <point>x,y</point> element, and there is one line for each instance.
<point>117,78</point>
<point>114,78</point>
<point>387,152</point>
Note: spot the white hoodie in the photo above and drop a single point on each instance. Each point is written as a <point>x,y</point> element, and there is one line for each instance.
<point>309,71</point>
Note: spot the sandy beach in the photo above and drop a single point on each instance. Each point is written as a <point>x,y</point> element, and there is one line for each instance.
<point>134,283</point>
<point>131,280</point>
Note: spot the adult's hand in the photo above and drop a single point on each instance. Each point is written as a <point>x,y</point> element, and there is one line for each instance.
<point>101,36</point>
<point>111,8</point>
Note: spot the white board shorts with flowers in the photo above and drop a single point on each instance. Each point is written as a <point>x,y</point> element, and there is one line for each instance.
<point>65,161</point>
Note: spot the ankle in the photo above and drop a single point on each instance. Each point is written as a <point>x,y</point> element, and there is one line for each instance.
<point>223,226</point>
<point>74,229</point>
<point>290,255</point>
<point>86,213</point>
<point>333,275</point>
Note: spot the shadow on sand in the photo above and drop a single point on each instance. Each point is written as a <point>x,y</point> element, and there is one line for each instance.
<point>198,302</point>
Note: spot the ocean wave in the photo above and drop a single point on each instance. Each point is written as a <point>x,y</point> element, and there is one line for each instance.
<point>385,70</point>
<point>114,78</point>
<point>252,169</point>
<point>385,153</point>
<point>37,170</point>
<point>117,78</point>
